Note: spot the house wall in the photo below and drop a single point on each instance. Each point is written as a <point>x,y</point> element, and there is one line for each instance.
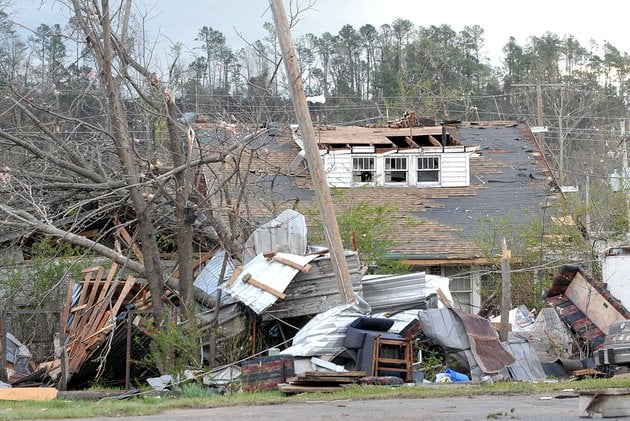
<point>616,273</point>
<point>338,169</point>
<point>464,285</point>
<point>454,168</point>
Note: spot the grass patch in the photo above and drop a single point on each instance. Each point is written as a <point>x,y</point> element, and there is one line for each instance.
<point>197,396</point>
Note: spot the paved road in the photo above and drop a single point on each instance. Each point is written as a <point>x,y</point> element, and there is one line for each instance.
<point>521,407</point>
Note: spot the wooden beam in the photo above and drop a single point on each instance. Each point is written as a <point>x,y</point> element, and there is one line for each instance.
<point>302,268</point>
<point>506,292</point>
<point>434,141</point>
<point>28,393</point>
<point>248,278</point>
<point>237,271</point>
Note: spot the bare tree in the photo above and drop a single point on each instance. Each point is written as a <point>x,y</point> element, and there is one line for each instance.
<point>76,165</point>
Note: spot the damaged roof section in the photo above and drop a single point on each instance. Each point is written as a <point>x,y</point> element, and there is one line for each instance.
<point>584,304</point>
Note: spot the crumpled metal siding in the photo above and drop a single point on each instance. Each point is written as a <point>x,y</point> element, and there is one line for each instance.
<point>527,367</point>
<point>208,278</point>
<point>326,332</point>
<point>287,231</point>
<point>402,292</point>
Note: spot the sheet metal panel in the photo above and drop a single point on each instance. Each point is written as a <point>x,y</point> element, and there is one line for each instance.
<point>317,290</point>
<point>287,232</point>
<point>527,367</point>
<point>402,292</point>
<point>270,273</point>
<point>325,333</point>
<point>208,278</point>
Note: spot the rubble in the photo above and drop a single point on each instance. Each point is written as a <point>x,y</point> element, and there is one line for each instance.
<point>373,340</point>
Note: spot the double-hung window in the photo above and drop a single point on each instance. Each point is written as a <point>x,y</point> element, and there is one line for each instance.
<point>363,169</point>
<point>428,170</point>
<point>396,169</point>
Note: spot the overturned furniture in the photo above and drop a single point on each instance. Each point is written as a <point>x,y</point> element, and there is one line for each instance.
<point>379,352</point>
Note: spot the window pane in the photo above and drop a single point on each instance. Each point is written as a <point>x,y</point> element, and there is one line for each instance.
<point>429,169</point>
<point>428,176</point>
<point>396,170</point>
<point>363,170</point>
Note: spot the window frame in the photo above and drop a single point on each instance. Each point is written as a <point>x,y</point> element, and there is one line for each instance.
<point>434,158</point>
<point>388,172</point>
<point>361,171</point>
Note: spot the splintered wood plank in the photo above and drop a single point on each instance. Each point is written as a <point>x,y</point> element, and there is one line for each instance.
<point>81,300</point>
<point>91,298</point>
<point>307,374</point>
<point>77,347</point>
<point>237,271</point>
<point>104,314</point>
<point>129,283</point>
<point>126,237</point>
<point>302,268</point>
<point>264,287</point>
<point>83,346</point>
<point>289,388</point>
<point>101,305</point>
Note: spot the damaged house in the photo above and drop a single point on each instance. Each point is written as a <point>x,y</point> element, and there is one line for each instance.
<point>443,180</point>
<point>445,185</point>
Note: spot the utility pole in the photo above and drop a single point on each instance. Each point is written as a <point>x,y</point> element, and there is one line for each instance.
<point>624,163</point>
<point>506,292</point>
<point>322,192</point>
<point>539,107</point>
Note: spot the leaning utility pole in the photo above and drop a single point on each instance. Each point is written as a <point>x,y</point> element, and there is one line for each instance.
<point>324,199</point>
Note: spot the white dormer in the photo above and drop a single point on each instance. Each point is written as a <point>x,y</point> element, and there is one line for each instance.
<point>393,157</point>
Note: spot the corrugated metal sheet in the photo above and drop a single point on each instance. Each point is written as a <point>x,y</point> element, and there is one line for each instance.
<point>208,278</point>
<point>270,273</point>
<point>402,292</point>
<point>287,232</point>
<point>318,290</point>
<point>326,332</point>
<point>527,367</point>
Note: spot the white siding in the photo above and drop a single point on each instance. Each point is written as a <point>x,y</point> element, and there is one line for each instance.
<point>454,171</point>
<point>338,169</point>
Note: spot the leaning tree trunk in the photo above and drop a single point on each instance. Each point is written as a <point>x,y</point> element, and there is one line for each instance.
<point>101,43</point>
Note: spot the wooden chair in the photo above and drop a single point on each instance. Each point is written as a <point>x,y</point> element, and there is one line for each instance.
<point>392,355</point>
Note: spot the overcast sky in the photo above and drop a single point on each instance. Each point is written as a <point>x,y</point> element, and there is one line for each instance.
<point>179,20</point>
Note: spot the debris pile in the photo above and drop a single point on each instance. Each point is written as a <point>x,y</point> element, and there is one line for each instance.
<point>399,329</point>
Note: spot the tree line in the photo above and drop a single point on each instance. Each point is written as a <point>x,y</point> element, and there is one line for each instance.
<point>91,125</point>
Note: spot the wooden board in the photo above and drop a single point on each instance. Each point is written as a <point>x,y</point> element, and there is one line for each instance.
<point>290,388</point>
<point>28,393</point>
<point>610,403</point>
